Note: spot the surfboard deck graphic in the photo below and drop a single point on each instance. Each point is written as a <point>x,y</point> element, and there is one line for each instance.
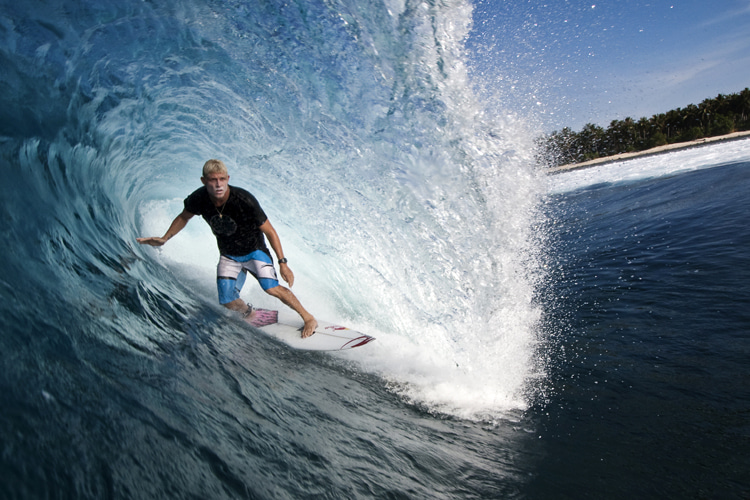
<point>327,336</point>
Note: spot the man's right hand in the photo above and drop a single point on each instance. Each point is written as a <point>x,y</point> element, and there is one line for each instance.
<point>153,241</point>
<point>178,224</point>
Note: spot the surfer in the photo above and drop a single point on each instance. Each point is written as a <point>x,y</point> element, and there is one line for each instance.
<point>239,224</point>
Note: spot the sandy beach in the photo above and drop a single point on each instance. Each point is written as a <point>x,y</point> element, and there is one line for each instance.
<point>653,151</point>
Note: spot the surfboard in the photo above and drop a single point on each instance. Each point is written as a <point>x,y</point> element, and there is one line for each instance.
<point>327,336</point>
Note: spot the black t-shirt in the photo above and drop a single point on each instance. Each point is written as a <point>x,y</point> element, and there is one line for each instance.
<point>235,224</point>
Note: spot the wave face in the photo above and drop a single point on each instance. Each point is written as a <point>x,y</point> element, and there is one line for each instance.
<point>405,209</point>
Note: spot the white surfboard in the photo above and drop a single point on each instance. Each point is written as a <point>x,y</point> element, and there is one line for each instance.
<point>327,336</point>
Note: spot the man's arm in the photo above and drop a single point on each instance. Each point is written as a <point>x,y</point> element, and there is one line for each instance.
<point>275,242</point>
<point>177,225</point>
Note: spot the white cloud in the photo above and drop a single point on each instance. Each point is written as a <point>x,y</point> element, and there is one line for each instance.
<point>725,17</point>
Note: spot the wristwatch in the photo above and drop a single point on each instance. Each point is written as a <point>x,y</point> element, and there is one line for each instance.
<point>283,261</point>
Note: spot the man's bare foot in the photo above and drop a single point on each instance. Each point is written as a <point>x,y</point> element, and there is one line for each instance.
<point>309,328</point>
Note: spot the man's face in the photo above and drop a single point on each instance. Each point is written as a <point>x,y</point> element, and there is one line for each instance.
<point>217,185</point>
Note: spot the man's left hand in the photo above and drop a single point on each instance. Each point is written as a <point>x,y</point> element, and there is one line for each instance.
<point>287,274</point>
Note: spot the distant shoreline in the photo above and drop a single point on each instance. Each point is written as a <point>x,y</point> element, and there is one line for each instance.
<point>651,152</point>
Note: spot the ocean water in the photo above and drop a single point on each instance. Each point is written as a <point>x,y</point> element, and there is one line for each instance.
<point>582,335</point>
<point>650,395</point>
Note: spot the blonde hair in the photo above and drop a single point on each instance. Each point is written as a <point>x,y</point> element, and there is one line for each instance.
<point>214,167</point>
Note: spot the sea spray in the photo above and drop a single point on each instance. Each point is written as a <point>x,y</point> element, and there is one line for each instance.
<point>409,213</point>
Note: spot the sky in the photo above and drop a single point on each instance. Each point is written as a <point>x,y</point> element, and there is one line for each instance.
<point>566,63</point>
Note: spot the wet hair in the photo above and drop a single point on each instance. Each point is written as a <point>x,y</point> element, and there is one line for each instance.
<point>214,167</point>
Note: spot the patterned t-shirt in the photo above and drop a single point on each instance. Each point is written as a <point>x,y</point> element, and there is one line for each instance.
<point>235,224</point>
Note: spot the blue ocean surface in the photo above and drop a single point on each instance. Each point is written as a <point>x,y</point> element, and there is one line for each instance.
<point>582,335</point>
<point>650,394</point>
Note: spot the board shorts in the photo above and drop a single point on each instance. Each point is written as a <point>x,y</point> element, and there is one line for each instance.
<point>232,271</point>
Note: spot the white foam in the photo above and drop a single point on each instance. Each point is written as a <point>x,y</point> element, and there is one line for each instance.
<point>651,166</point>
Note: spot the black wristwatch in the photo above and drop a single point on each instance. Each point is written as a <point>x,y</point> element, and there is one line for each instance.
<point>283,261</point>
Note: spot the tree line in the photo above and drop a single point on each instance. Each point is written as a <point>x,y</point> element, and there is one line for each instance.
<point>721,115</point>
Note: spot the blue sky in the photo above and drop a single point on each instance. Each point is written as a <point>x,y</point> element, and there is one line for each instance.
<point>570,62</point>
